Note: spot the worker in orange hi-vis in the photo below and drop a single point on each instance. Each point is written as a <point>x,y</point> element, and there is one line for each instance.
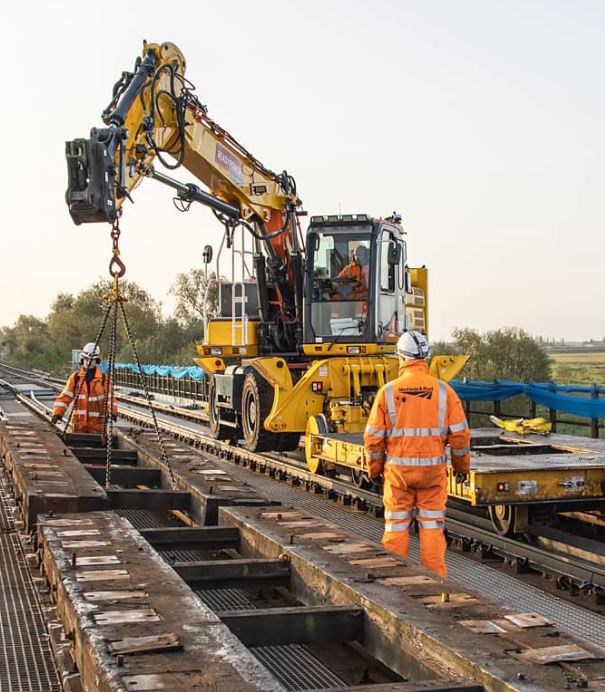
<point>91,408</point>
<point>357,272</point>
<point>412,420</point>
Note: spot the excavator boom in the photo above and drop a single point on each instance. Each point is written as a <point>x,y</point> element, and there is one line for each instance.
<point>155,116</point>
<point>156,113</point>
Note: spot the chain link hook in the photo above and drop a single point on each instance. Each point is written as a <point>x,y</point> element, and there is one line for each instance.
<point>117,268</point>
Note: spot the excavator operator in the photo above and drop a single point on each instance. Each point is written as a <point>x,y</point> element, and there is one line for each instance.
<point>412,419</point>
<point>352,280</point>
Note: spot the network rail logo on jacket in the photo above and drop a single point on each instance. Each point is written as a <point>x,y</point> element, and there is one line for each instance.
<point>422,392</point>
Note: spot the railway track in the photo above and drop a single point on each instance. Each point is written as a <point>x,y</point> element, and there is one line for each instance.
<point>260,472</point>
<point>571,564</point>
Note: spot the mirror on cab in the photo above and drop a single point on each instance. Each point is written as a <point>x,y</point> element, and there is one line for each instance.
<point>394,257</point>
<point>207,254</point>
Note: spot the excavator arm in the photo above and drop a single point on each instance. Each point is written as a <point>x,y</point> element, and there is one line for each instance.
<point>154,115</point>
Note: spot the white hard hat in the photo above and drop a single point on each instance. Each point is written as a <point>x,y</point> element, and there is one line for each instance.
<point>91,350</point>
<point>412,345</point>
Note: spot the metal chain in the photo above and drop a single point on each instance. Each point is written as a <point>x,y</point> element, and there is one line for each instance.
<point>110,395</point>
<point>117,268</point>
<point>143,382</point>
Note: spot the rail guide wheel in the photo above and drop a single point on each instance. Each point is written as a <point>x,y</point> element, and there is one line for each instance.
<point>316,425</point>
<point>509,520</point>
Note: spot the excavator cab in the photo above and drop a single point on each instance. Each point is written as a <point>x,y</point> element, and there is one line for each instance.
<point>355,284</point>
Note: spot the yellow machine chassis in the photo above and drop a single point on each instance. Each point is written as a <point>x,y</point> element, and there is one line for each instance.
<point>577,479</point>
<point>481,488</point>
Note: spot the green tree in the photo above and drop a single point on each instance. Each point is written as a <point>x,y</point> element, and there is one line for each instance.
<point>509,353</point>
<point>197,296</point>
<point>27,343</point>
<point>72,322</point>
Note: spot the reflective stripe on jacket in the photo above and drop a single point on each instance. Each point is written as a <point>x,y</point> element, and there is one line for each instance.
<point>89,410</point>
<point>412,420</point>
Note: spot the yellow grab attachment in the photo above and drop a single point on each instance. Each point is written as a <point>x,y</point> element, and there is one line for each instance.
<point>523,426</point>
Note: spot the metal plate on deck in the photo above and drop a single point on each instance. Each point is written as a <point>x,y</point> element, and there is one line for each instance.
<point>85,544</point>
<point>526,620</point>
<point>65,522</point>
<point>147,645</point>
<point>554,654</point>
<point>347,548</point>
<point>96,596</point>
<point>453,600</point>
<point>483,626</point>
<point>413,580</point>
<point>285,514</point>
<point>376,562</point>
<point>120,617</point>
<point>306,524</point>
<point>79,532</point>
<point>165,681</point>
<point>97,560</point>
<point>103,575</point>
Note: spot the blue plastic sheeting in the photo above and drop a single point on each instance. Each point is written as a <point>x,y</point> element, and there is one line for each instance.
<point>546,394</point>
<point>193,372</point>
<point>549,394</point>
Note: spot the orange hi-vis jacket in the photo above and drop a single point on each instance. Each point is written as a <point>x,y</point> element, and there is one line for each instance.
<point>359,274</point>
<point>412,420</point>
<point>88,416</point>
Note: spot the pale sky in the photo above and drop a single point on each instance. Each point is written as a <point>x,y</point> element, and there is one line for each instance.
<point>481,122</point>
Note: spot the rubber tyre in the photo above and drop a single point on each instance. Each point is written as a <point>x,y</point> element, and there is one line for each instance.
<point>257,401</point>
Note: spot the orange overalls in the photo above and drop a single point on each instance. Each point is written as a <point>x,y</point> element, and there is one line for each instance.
<point>354,270</point>
<point>412,420</point>
<point>89,413</point>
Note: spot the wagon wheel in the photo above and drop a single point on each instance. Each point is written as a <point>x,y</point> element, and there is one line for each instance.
<point>361,479</point>
<point>503,518</point>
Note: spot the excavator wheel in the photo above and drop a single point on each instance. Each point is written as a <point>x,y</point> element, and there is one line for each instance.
<point>316,425</point>
<point>257,401</point>
<point>217,430</point>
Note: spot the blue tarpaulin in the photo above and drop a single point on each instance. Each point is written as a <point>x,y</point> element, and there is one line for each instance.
<point>193,372</point>
<point>578,400</point>
<point>549,394</point>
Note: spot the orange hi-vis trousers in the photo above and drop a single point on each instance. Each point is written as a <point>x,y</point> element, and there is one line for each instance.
<point>423,488</point>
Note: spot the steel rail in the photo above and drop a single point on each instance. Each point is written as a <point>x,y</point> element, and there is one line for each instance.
<point>470,536</point>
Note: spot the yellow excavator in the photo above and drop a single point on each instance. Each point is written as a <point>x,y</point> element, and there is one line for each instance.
<point>308,323</point>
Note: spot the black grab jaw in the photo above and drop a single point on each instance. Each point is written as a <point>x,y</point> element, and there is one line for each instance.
<point>91,173</point>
